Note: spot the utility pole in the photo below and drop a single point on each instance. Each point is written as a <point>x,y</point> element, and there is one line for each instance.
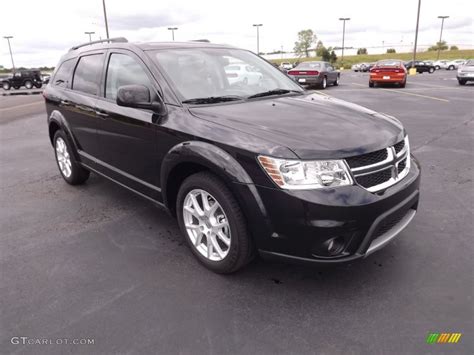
<point>105,20</point>
<point>172,29</point>
<point>258,25</point>
<point>343,19</point>
<point>413,69</point>
<point>89,33</point>
<point>441,33</point>
<point>10,48</point>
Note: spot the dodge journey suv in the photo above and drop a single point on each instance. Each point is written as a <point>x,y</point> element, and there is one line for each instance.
<point>247,167</point>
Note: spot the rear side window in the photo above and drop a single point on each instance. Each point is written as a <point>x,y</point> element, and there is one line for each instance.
<point>124,70</point>
<point>64,73</point>
<point>87,74</point>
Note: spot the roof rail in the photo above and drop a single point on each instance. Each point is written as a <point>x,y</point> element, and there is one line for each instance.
<point>201,40</point>
<point>111,40</point>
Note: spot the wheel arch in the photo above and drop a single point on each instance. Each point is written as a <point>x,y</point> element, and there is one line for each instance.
<point>56,121</point>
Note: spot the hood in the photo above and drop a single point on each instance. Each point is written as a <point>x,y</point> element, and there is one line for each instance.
<point>313,126</point>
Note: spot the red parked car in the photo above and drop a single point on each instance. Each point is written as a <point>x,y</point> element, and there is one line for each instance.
<point>388,71</point>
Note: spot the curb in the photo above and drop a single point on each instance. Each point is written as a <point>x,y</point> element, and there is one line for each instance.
<point>22,93</point>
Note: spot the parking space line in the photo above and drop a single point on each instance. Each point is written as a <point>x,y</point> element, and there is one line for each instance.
<point>21,106</point>
<point>408,93</point>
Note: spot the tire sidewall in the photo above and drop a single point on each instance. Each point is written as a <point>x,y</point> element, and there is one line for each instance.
<point>233,255</point>
<point>74,165</point>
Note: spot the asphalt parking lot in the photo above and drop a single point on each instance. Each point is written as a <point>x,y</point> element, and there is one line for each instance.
<point>97,262</point>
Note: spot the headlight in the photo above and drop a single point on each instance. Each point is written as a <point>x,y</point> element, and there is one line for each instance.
<point>306,175</point>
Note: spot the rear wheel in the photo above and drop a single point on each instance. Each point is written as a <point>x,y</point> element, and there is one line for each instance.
<point>461,82</point>
<point>451,67</point>
<point>213,223</point>
<point>403,84</point>
<point>324,83</point>
<point>28,84</point>
<point>69,168</point>
<point>6,86</point>
<point>431,71</point>
<point>437,67</point>
<point>38,86</point>
<point>371,84</point>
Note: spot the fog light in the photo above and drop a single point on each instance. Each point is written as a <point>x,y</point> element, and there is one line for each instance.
<point>335,245</point>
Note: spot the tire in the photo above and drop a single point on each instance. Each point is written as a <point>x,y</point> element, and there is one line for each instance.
<point>324,83</point>
<point>371,84</point>
<point>461,82</point>
<point>403,84</point>
<point>6,86</point>
<point>28,84</point>
<point>240,249</point>
<point>63,151</point>
<point>38,86</point>
<point>437,67</point>
<point>451,67</point>
<point>336,83</point>
<point>431,71</point>
<point>16,87</point>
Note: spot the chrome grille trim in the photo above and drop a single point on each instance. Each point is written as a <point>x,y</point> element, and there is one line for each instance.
<point>392,162</point>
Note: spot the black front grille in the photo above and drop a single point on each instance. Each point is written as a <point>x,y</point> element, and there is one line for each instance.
<point>388,223</point>
<point>402,165</point>
<point>367,159</point>
<point>374,179</point>
<point>399,146</point>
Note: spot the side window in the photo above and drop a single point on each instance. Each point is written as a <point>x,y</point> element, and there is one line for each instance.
<point>64,73</point>
<point>87,74</point>
<point>124,70</point>
<point>329,68</point>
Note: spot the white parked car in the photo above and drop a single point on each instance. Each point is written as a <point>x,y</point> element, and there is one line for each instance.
<point>356,67</point>
<point>441,64</point>
<point>454,64</point>
<point>243,73</point>
<point>466,72</point>
<point>286,66</point>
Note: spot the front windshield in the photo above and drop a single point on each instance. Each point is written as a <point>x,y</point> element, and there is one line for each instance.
<point>470,63</point>
<point>216,72</point>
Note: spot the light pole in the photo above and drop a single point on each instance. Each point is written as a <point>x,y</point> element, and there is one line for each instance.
<point>343,19</point>
<point>172,29</point>
<point>89,33</point>
<point>441,33</point>
<point>413,68</point>
<point>105,20</point>
<point>258,25</point>
<point>10,48</point>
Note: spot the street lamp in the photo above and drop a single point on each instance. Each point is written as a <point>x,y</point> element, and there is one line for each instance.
<point>89,33</point>
<point>343,19</point>
<point>10,48</point>
<point>413,68</point>
<point>105,20</point>
<point>441,33</point>
<point>258,36</point>
<point>172,29</point>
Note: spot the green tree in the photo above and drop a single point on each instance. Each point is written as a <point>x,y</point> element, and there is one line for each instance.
<point>439,46</point>
<point>391,50</point>
<point>453,48</point>
<point>320,49</point>
<point>333,57</point>
<point>362,51</point>
<point>325,54</point>
<point>306,39</point>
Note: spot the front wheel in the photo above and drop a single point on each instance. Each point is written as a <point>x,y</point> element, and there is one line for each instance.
<point>213,223</point>
<point>6,86</point>
<point>431,71</point>
<point>69,168</point>
<point>461,82</point>
<point>38,86</point>
<point>451,67</point>
<point>336,83</point>
<point>437,67</point>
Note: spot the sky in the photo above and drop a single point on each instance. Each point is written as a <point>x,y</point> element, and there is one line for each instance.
<point>44,30</point>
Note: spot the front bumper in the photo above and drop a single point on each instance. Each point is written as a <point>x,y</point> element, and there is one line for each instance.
<point>465,76</point>
<point>303,222</point>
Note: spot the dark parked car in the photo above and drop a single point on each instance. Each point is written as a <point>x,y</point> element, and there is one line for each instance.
<point>26,78</point>
<point>267,168</point>
<point>421,67</point>
<point>315,73</point>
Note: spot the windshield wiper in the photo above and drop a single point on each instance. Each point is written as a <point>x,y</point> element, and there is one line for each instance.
<point>211,100</point>
<point>272,92</point>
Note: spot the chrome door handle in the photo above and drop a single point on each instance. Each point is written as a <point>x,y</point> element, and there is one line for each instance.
<point>102,115</point>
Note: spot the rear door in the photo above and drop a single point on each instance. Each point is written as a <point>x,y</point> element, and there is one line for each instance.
<point>127,136</point>
<point>80,102</point>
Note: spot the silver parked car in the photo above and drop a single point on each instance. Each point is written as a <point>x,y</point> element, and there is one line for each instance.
<point>466,72</point>
<point>454,64</point>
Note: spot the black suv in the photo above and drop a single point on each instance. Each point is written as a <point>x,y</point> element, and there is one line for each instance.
<point>247,162</point>
<point>421,67</point>
<point>26,78</point>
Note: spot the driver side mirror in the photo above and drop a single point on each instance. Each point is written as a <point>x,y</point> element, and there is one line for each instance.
<point>138,96</point>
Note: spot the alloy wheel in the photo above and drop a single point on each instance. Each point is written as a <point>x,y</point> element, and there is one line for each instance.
<point>206,225</point>
<point>63,157</point>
